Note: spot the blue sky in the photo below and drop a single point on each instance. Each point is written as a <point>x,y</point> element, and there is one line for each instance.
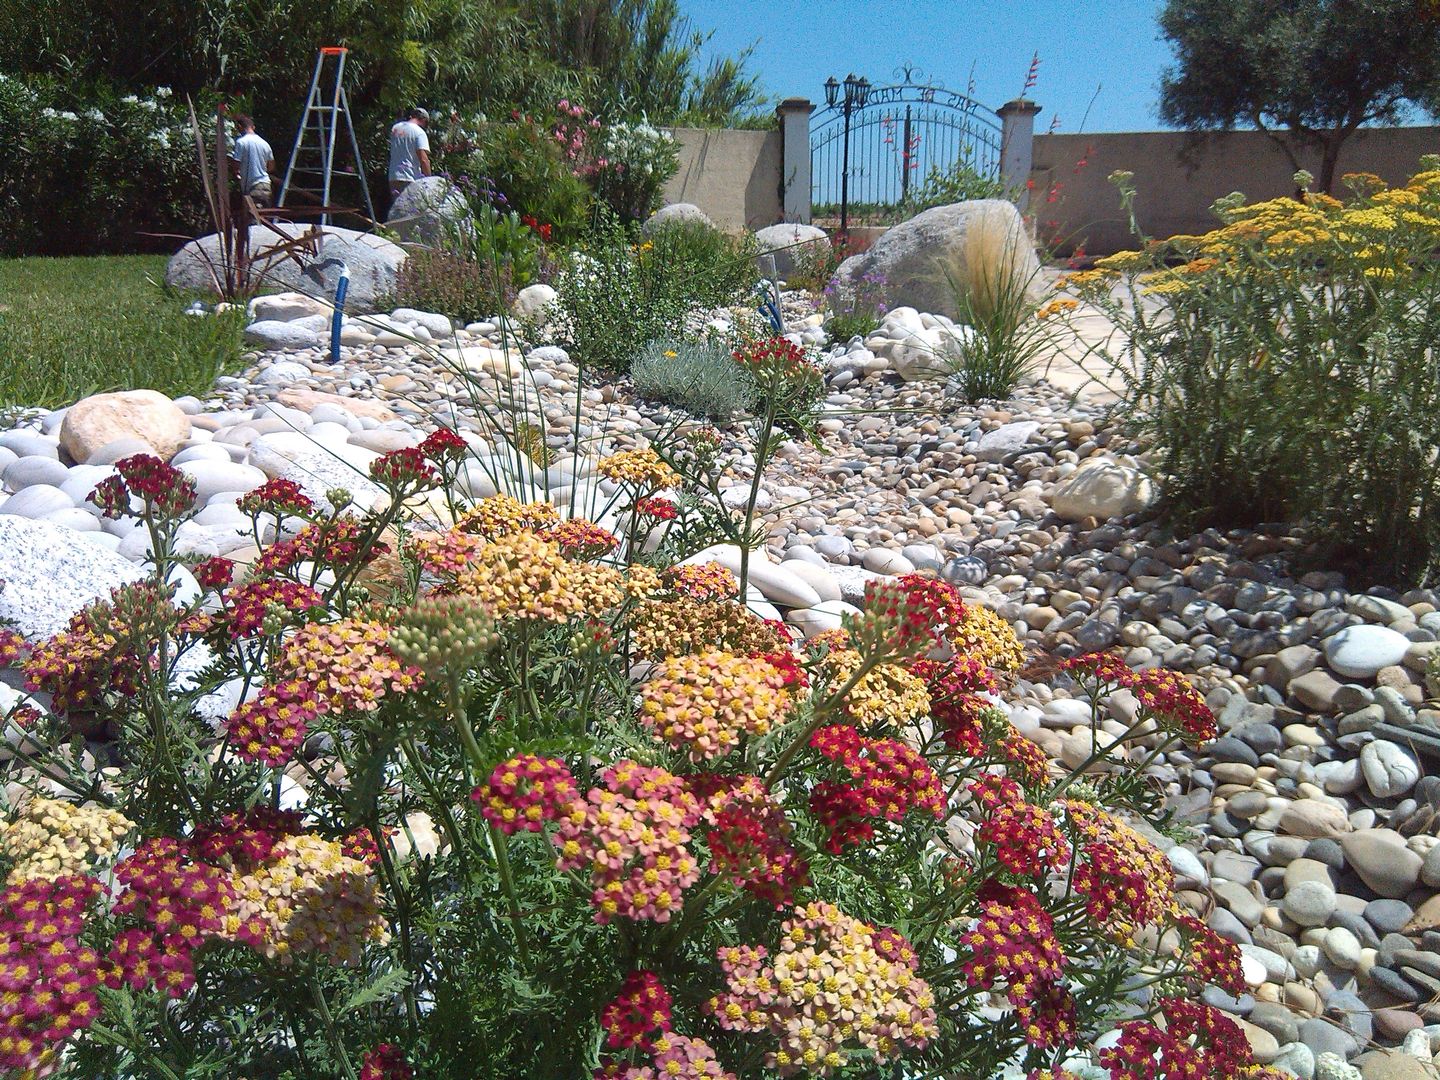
<point>1107,43</point>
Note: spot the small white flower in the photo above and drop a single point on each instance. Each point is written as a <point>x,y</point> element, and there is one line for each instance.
<point>162,91</point>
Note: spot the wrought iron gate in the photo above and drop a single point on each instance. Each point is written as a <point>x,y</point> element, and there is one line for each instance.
<point>900,134</point>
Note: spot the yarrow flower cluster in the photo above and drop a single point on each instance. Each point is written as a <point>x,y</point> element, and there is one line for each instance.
<point>503,515</point>
<point>916,613</point>
<point>1165,695</point>
<point>886,696</point>
<point>162,489</point>
<point>1025,838</point>
<point>1196,1040</point>
<point>1127,882</point>
<point>835,986</point>
<point>249,605</point>
<point>1210,958</point>
<point>661,628</point>
<point>887,780</point>
<point>956,707</point>
<point>348,664</point>
<point>385,1062</point>
<point>406,470</point>
<point>53,838</point>
<point>1013,946</point>
<point>984,635</point>
<point>641,469</point>
<point>631,836</point>
<point>749,838</point>
<point>310,898</point>
<point>271,727</point>
<point>581,539</point>
<point>672,1057</point>
<point>702,581</point>
<point>48,979</point>
<point>522,576</point>
<point>526,792</point>
<point>278,497</point>
<point>657,509</point>
<point>179,903</point>
<point>704,704</point>
<point>637,1013</point>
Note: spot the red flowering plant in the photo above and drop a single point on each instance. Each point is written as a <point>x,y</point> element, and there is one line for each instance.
<point>512,797</point>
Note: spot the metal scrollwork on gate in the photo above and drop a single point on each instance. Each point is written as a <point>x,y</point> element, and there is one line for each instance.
<point>903,134</point>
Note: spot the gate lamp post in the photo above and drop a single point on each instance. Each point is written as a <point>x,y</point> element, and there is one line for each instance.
<point>856,91</point>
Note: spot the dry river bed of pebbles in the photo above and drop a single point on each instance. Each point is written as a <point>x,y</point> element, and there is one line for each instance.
<point>1314,816</point>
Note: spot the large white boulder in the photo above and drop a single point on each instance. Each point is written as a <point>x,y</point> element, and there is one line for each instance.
<point>1102,488</point>
<point>429,211</point>
<point>967,242</point>
<point>680,211</point>
<point>48,572</point>
<point>788,242</point>
<point>147,415</point>
<point>373,261</point>
<point>319,467</point>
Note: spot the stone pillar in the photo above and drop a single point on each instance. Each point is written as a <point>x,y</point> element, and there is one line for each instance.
<point>794,114</point>
<point>1017,146</point>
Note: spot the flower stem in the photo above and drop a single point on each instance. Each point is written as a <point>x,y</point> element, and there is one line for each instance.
<point>501,843</point>
<point>331,1034</point>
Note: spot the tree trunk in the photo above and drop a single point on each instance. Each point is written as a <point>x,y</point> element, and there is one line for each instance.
<point>1330,158</point>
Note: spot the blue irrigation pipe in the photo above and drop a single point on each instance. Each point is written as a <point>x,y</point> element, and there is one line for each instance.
<point>341,288</point>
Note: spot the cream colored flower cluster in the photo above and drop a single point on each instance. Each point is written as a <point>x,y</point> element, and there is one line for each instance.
<point>703,704</point>
<point>835,984</point>
<point>641,468</point>
<point>887,695</point>
<point>522,576</point>
<point>53,838</point>
<point>309,897</point>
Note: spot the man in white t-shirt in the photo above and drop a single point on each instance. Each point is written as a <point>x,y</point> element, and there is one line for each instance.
<point>409,151</point>
<point>251,162</point>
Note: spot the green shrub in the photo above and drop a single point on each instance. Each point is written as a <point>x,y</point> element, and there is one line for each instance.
<point>90,172</point>
<point>453,284</point>
<point>1284,367</point>
<point>521,162</point>
<point>477,271</point>
<point>634,161</point>
<point>616,295</point>
<point>699,262</point>
<point>700,377</point>
<point>961,183</point>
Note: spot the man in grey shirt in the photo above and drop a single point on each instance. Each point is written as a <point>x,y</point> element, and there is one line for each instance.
<point>251,162</point>
<point>409,151</point>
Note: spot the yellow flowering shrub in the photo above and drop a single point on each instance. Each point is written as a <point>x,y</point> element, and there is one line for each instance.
<point>1282,365</point>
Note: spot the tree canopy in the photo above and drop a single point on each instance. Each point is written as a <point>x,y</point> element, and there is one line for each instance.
<point>1310,72</point>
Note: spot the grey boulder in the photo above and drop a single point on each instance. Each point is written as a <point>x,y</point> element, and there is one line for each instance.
<point>979,240</point>
<point>373,261</point>
<point>788,242</point>
<point>428,212</point>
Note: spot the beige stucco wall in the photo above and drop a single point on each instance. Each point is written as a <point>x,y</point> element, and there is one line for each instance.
<point>1173,193</point>
<point>733,176</point>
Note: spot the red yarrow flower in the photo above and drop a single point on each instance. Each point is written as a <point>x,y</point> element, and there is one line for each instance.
<point>277,497</point>
<point>639,1011</point>
<point>162,489</point>
<point>385,1062</point>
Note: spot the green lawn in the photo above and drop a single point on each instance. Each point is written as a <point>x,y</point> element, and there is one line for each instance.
<point>71,327</point>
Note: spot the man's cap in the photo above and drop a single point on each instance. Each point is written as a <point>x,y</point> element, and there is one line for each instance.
<point>418,113</point>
